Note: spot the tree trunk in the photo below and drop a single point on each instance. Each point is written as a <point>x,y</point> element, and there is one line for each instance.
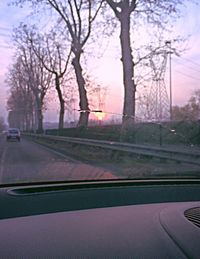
<point>32,121</point>
<point>40,121</point>
<point>128,74</point>
<point>62,103</point>
<point>39,115</point>
<point>27,127</point>
<point>83,103</point>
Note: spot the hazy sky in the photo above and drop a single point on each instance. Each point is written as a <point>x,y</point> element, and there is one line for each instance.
<point>9,17</point>
<point>107,70</point>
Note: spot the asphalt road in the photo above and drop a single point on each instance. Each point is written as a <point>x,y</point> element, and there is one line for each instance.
<point>27,161</point>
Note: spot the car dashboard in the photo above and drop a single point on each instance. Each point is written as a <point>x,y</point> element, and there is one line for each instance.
<point>102,219</point>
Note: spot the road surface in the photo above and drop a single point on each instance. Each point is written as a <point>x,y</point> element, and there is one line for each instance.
<point>27,161</point>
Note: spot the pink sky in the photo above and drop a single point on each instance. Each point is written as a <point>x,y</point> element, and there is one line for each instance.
<point>108,69</point>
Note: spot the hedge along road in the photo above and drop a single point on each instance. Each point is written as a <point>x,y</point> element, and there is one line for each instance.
<point>27,161</point>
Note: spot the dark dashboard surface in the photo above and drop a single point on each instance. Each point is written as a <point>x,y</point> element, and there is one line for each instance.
<point>127,219</point>
<point>25,200</point>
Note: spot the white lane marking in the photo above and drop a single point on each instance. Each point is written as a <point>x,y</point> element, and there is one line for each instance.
<point>2,162</point>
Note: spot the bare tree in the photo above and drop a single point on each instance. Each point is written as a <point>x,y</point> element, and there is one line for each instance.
<point>55,57</point>
<point>35,75</point>
<point>20,101</point>
<point>78,17</point>
<point>133,11</point>
<point>194,102</point>
<point>190,111</point>
<point>96,93</point>
<point>39,80</point>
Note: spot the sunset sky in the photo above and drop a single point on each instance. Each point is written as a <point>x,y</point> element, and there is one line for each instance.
<point>107,70</point>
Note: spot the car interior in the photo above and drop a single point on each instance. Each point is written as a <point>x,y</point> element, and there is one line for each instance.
<point>107,219</point>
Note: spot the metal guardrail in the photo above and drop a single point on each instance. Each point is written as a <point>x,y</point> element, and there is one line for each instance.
<point>180,154</point>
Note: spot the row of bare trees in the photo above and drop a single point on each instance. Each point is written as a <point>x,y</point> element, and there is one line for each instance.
<point>30,82</point>
<point>42,58</point>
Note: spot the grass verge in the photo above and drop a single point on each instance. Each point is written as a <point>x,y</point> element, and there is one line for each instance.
<point>122,164</point>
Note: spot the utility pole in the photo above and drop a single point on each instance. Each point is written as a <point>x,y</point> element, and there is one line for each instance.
<point>169,44</point>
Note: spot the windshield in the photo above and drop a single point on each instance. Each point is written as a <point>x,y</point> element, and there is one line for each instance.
<point>14,131</point>
<point>99,90</point>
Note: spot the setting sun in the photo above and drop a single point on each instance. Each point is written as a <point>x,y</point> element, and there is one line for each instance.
<point>100,115</point>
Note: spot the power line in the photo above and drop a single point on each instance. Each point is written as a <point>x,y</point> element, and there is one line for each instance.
<point>198,79</point>
<point>5,47</point>
<point>5,28</point>
<point>179,62</point>
<point>5,32</point>
<point>191,61</point>
<point>4,35</point>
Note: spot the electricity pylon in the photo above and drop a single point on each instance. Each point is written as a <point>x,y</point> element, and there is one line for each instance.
<point>158,106</point>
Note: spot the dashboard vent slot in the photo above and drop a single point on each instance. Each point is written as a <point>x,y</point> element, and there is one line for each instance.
<point>193,215</point>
